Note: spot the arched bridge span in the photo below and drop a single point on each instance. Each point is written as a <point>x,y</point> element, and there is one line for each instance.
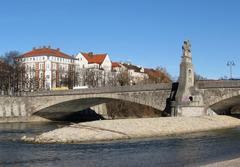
<point>65,102</point>
<point>220,95</point>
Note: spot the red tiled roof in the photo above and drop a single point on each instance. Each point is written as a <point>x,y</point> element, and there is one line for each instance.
<point>153,74</point>
<point>94,58</point>
<point>115,64</point>
<point>46,51</point>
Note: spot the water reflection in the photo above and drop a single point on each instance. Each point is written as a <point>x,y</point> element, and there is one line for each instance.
<point>191,149</point>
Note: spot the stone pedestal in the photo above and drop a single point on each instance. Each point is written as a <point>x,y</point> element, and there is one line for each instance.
<point>191,111</point>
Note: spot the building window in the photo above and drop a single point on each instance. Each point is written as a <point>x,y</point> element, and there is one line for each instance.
<point>41,66</point>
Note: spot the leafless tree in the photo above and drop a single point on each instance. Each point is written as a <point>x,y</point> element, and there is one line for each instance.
<point>199,77</point>
<point>123,78</point>
<point>12,73</point>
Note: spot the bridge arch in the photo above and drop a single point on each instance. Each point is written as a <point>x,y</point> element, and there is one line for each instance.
<point>222,100</point>
<point>65,104</point>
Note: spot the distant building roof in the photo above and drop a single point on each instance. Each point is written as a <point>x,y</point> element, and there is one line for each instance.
<point>132,67</point>
<point>154,74</point>
<point>94,58</point>
<point>46,51</point>
<point>115,64</point>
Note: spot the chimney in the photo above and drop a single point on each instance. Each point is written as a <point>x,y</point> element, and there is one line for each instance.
<point>49,46</point>
<point>34,48</point>
<point>44,46</point>
<point>90,54</point>
<point>58,49</point>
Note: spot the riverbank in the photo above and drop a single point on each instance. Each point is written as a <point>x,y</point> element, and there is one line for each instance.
<point>105,130</point>
<point>228,163</point>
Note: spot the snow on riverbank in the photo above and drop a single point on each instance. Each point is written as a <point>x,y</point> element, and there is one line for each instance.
<point>133,128</point>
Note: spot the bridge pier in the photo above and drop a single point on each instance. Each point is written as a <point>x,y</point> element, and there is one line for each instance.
<point>188,100</point>
<point>173,109</point>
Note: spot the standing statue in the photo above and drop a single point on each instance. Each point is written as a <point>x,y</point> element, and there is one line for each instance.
<point>186,48</point>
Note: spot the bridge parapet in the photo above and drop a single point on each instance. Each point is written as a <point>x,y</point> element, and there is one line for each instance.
<point>208,84</point>
<point>119,89</point>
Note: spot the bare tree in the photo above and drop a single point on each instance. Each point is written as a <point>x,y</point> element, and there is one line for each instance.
<point>123,78</point>
<point>12,73</point>
<point>91,78</point>
<point>111,79</point>
<point>198,77</point>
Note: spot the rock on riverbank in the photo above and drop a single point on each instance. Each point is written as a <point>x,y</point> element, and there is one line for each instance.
<point>133,128</point>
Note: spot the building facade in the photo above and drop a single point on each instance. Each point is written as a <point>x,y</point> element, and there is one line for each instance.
<point>96,61</point>
<point>47,68</point>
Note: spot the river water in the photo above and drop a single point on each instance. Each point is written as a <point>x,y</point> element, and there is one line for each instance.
<point>185,150</point>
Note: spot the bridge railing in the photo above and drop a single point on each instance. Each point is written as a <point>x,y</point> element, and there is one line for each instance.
<point>206,84</point>
<point>119,89</point>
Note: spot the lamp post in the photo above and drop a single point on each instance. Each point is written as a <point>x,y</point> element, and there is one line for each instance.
<point>230,64</point>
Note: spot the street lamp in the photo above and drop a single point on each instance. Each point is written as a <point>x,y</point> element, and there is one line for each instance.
<point>230,64</point>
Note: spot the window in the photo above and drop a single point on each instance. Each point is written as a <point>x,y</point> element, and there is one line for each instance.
<point>189,71</point>
<point>41,65</point>
<point>54,66</point>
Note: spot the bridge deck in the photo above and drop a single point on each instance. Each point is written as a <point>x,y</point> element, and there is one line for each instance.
<point>119,89</point>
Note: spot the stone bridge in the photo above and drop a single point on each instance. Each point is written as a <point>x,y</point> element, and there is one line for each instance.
<point>221,96</point>
<point>187,97</point>
<point>56,104</point>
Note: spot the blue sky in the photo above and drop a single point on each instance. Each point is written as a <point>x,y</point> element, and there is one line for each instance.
<point>146,32</point>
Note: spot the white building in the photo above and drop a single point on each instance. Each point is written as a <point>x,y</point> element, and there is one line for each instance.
<point>136,74</point>
<point>96,61</point>
<point>46,67</point>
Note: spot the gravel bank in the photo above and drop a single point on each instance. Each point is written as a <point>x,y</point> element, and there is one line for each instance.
<point>228,163</point>
<point>133,128</point>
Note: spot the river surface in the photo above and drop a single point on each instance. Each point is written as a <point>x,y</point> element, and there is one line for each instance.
<point>185,150</point>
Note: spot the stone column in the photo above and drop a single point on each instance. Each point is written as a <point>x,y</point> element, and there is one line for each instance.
<point>188,99</point>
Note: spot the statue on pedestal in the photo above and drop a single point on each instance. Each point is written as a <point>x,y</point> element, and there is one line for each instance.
<point>186,49</point>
